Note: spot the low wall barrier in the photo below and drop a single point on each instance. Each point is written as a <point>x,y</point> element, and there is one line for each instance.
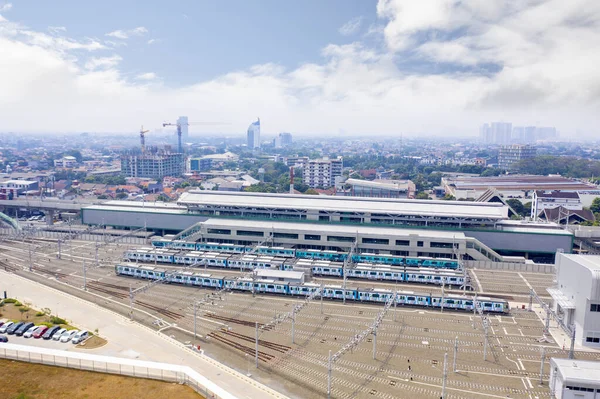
<point>511,266</point>
<point>115,365</point>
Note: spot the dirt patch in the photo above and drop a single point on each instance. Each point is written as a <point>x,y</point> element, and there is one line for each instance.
<point>93,342</point>
<point>35,381</point>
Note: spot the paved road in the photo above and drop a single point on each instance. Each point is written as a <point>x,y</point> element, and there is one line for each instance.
<point>127,339</point>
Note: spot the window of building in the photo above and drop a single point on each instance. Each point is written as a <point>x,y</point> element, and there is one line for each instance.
<point>340,238</point>
<point>595,307</point>
<point>594,340</point>
<point>404,243</point>
<point>380,241</point>
<point>250,233</point>
<point>312,237</point>
<point>419,243</point>
<point>324,218</point>
<point>290,236</point>
<point>219,231</point>
<point>440,244</point>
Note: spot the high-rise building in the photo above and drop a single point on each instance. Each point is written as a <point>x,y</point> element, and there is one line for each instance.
<point>511,154</point>
<point>283,140</point>
<point>530,134</point>
<point>184,124</point>
<point>254,135</point>
<point>496,133</point>
<point>321,173</point>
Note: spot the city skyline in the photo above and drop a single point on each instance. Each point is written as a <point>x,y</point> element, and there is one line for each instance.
<point>383,68</point>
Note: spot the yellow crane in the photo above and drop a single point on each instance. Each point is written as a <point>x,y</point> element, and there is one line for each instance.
<point>143,139</point>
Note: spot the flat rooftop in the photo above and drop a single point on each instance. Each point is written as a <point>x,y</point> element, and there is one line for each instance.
<point>380,183</point>
<point>579,371</point>
<point>334,229</point>
<point>517,182</point>
<point>344,204</point>
<point>591,262</point>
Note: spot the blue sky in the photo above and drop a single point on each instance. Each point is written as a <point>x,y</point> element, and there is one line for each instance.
<point>311,67</point>
<point>196,40</point>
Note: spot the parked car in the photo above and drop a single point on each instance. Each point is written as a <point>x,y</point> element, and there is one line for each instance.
<point>59,334</point>
<point>29,333</point>
<point>50,332</point>
<point>23,329</point>
<point>13,329</point>
<point>2,322</point>
<point>5,326</point>
<point>80,337</point>
<point>40,331</point>
<point>3,338</point>
<point>66,337</point>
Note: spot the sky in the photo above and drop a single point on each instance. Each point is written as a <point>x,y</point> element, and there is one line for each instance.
<point>311,67</point>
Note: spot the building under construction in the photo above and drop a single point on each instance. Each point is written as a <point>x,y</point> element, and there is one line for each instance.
<point>155,165</point>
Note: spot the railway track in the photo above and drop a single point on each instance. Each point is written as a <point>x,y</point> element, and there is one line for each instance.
<point>267,344</point>
<point>265,357</point>
<point>233,320</point>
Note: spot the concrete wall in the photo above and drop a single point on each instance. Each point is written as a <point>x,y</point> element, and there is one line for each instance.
<point>523,242</point>
<point>158,221</point>
<point>518,267</point>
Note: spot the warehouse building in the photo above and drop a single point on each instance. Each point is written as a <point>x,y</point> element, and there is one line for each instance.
<point>417,228</point>
<point>577,296</point>
<point>574,379</point>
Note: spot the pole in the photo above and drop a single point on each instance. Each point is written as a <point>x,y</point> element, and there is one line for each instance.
<point>30,259</point>
<point>97,263</point>
<point>84,277</point>
<point>293,326</point>
<point>375,344</point>
<point>130,303</point>
<point>572,349</point>
<point>485,342</point>
<point>542,366</point>
<point>322,298</point>
<point>195,336</point>
<point>547,327</point>
<point>442,304</point>
<point>395,300</point>
<point>59,248</point>
<point>474,309</point>
<point>256,347</point>
<point>530,299</point>
<point>329,377</point>
<point>455,354</point>
<point>445,375</point>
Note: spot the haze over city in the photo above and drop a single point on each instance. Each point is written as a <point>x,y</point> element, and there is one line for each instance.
<point>337,68</point>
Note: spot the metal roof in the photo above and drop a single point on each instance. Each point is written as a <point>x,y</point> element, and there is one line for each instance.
<point>345,204</point>
<point>578,371</point>
<point>331,228</point>
<point>560,298</point>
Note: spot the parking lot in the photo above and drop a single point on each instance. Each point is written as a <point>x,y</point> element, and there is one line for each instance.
<point>413,337</point>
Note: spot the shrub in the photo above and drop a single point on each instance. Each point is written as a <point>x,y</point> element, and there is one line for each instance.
<point>57,320</point>
<point>10,300</point>
<point>17,303</point>
<point>40,314</point>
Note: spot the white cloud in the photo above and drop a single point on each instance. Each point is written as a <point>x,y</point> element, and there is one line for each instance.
<point>152,41</point>
<point>351,27</point>
<point>445,68</point>
<point>146,76</point>
<point>126,34</point>
<point>57,29</point>
<point>6,7</point>
<point>103,62</point>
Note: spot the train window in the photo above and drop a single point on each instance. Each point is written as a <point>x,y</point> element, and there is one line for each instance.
<point>270,286</point>
<point>338,293</point>
<point>388,274</point>
<point>410,298</point>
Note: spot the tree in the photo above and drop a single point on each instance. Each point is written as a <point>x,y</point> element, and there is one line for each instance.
<point>311,191</point>
<point>522,209</point>
<point>102,196</point>
<point>449,197</point>
<point>595,207</point>
<point>121,195</point>
<point>422,195</point>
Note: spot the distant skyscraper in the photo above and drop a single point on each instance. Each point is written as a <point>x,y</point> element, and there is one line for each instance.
<point>511,154</point>
<point>254,135</point>
<point>183,122</point>
<point>496,133</point>
<point>283,140</point>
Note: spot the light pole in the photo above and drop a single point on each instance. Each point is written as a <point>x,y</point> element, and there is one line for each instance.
<point>248,374</point>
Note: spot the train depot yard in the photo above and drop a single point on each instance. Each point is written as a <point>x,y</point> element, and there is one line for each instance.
<point>484,354</point>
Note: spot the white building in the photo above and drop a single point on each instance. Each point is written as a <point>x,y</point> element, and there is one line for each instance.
<point>574,379</point>
<point>321,173</point>
<point>577,296</point>
<point>184,126</point>
<point>496,133</point>
<point>553,199</point>
<point>254,135</point>
<point>65,162</point>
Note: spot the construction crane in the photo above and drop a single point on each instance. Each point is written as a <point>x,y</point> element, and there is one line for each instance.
<point>178,125</point>
<point>143,139</point>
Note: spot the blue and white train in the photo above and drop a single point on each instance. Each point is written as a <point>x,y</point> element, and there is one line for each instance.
<point>329,291</point>
<point>334,256</point>
<point>319,268</point>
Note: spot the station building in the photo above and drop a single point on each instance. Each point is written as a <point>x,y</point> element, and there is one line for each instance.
<point>478,231</point>
<point>574,379</point>
<point>576,296</point>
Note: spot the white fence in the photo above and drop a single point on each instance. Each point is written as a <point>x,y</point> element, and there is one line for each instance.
<point>513,266</point>
<point>115,365</point>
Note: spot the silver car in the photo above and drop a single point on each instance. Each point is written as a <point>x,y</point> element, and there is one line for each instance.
<point>29,333</point>
<point>58,334</point>
<point>66,337</point>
